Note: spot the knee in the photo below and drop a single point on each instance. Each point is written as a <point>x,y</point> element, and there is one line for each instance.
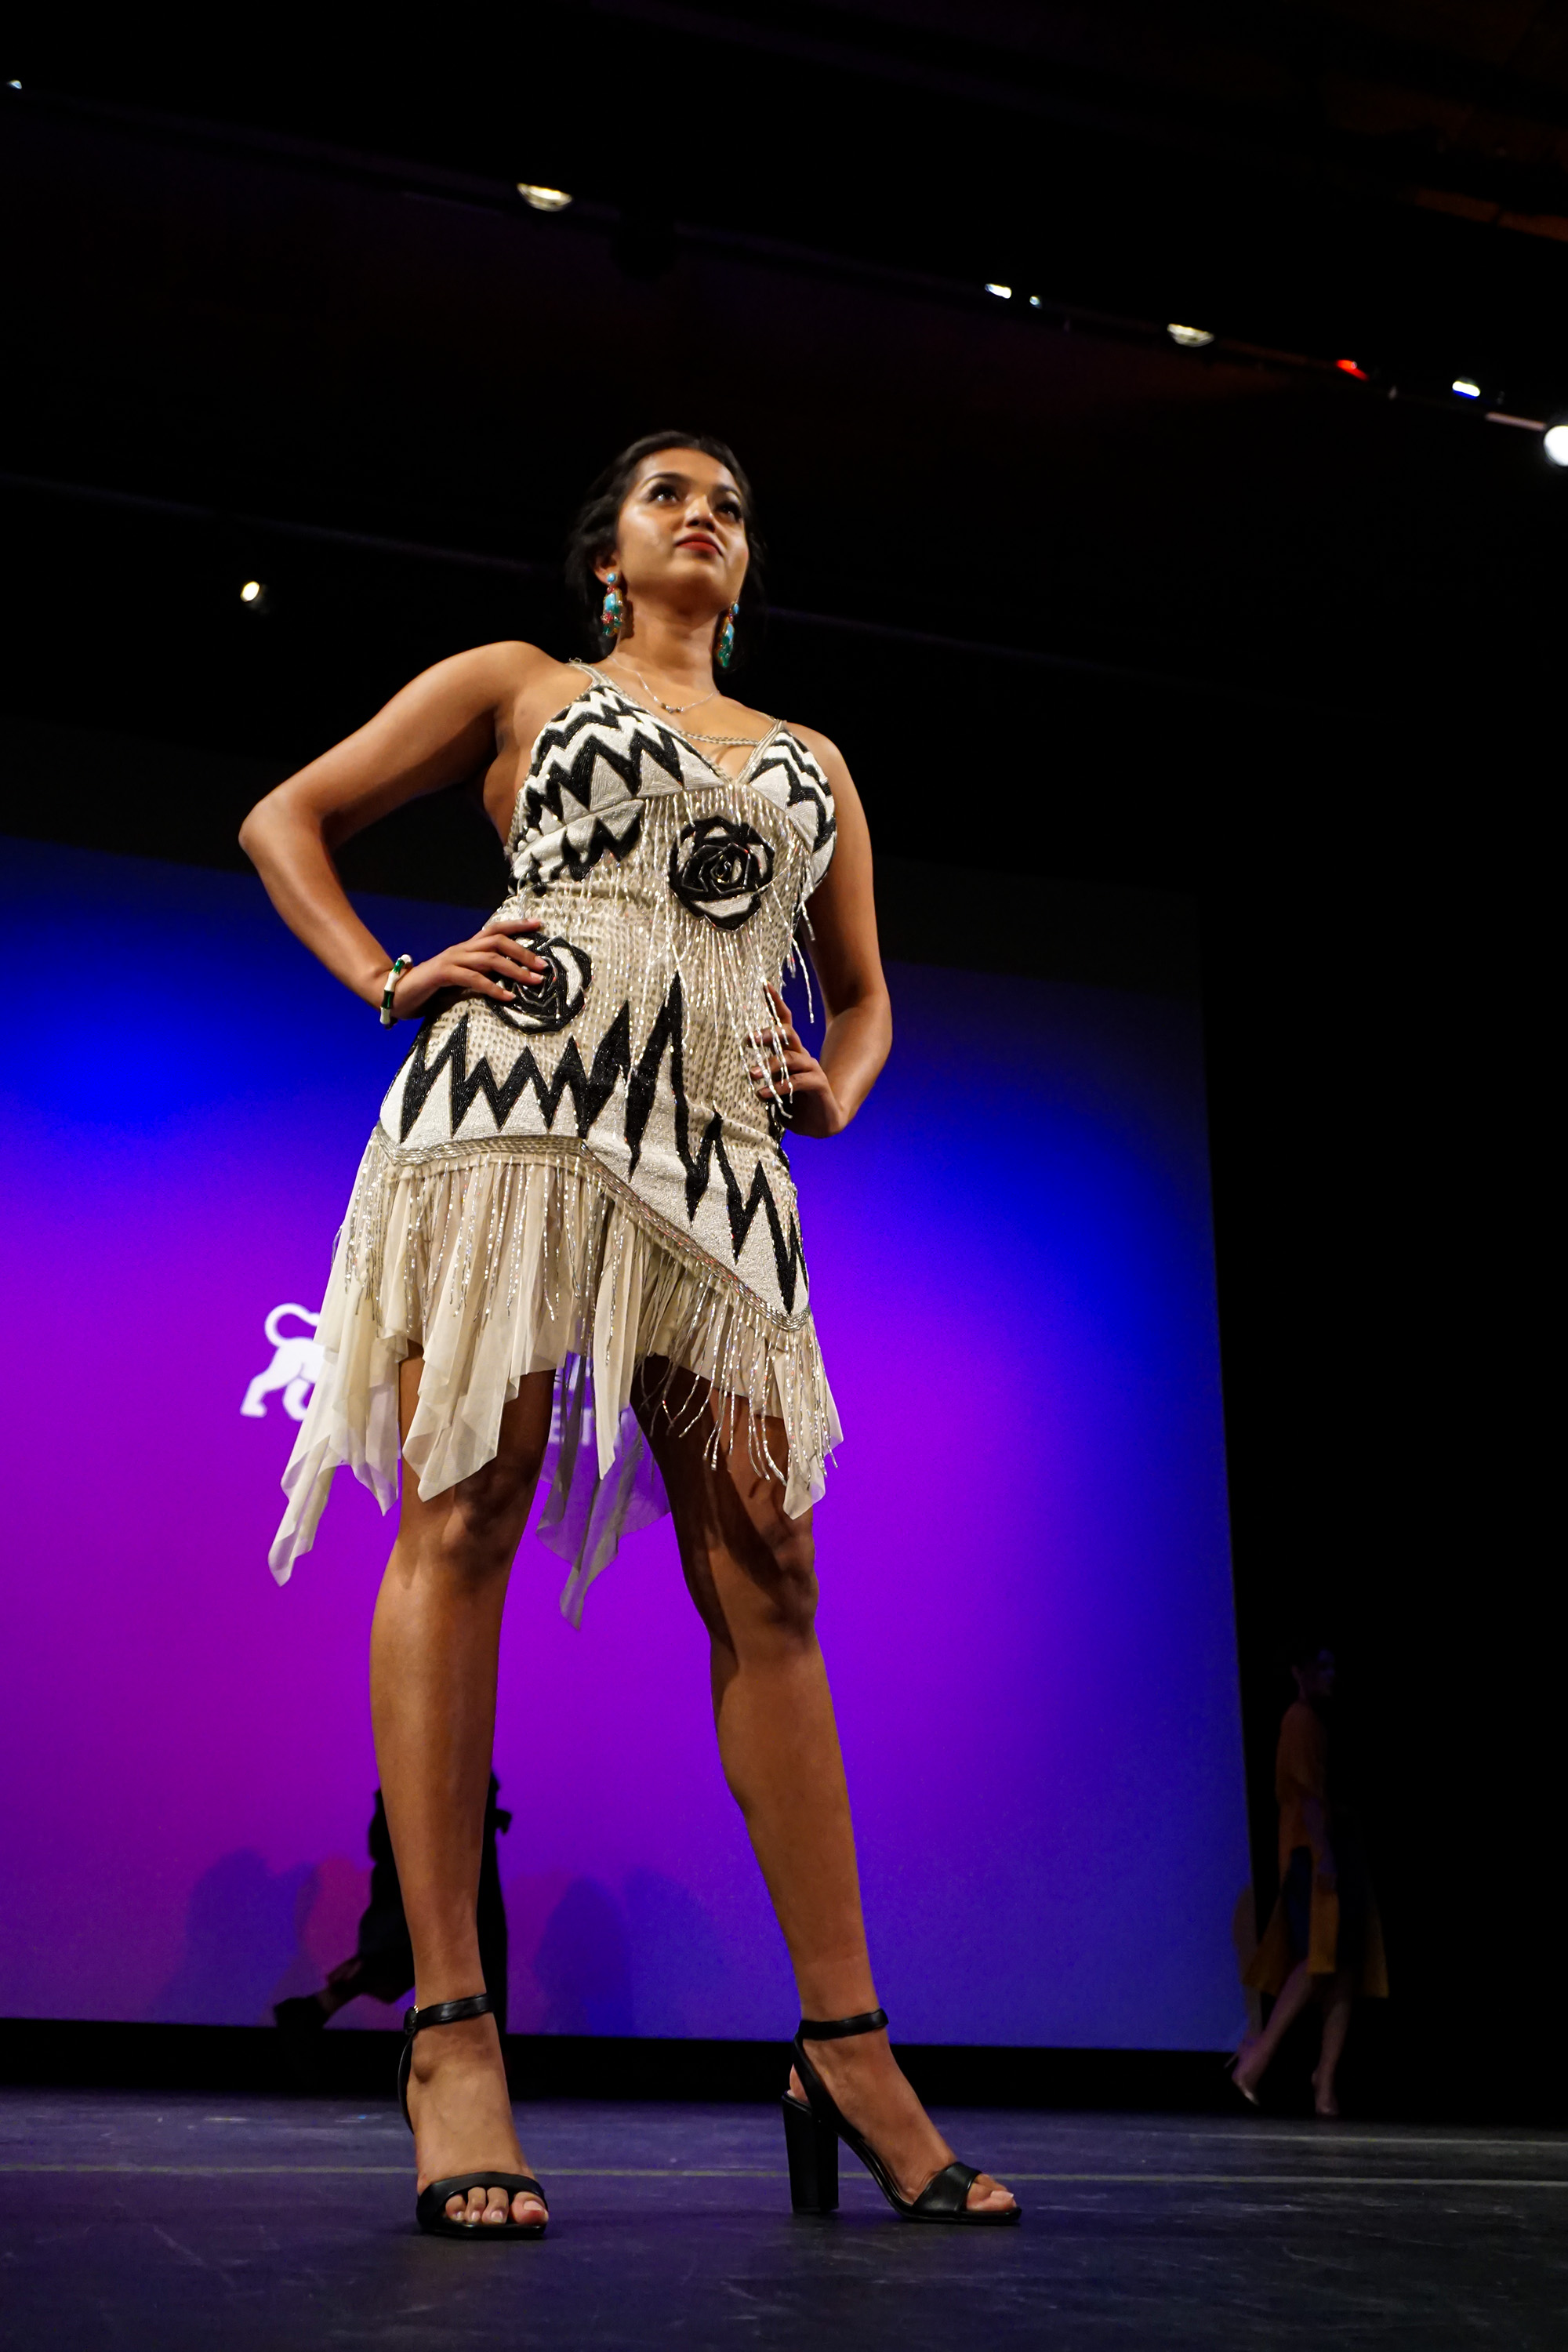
<point>493,1504</point>
<point>485,1514</point>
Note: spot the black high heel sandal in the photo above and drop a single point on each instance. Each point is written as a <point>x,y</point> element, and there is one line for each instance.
<point>430,2211</point>
<point>813,2127</point>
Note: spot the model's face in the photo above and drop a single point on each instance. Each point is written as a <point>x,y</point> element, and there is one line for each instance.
<point>682,531</point>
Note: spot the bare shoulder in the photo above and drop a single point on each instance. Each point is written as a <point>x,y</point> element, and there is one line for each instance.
<point>532,686</point>
<point>520,668</point>
<point>822,750</point>
<point>484,679</point>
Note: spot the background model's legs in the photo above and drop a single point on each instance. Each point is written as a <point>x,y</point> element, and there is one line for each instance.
<point>1341,2000</point>
<point>1256,2055</point>
<point>749,1572</point>
<point>432,1700</point>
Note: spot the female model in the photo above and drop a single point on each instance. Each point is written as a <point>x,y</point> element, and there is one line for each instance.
<point>575,1210</point>
<point>1324,1940</point>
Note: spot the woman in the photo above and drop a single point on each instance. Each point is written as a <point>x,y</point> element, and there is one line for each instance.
<point>1324,1940</point>
<point>576,1214</point>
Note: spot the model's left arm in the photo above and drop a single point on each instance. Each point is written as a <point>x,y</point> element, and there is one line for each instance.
<point>827,1092</point>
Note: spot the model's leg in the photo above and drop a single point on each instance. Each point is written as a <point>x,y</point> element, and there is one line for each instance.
<point>432,1700</point>
<point>1294,1994</point>
<point>1336,2025</point>
<point>748,1568</point>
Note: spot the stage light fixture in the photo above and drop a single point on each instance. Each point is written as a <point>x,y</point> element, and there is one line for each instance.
<point>1350,367</point>
<point>1467,387</point>
<point>1555,440</point>
<point>1191,339</point>
<point>252,593</point>
<point>543,200</point>
<point>1003,293</point>
<point>1034,302</point>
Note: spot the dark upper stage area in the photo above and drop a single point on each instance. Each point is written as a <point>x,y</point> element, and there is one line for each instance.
<point>305,288</point>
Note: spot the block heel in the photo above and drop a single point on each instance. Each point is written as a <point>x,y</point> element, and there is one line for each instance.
<point>814,2126</point>
<point>812,2147</point>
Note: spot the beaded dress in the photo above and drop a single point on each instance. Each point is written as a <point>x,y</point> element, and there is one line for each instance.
<point>583,1178</point>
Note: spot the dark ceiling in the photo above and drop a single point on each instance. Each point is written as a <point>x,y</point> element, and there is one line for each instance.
<point>310,293</point>
<point>1268,169</point>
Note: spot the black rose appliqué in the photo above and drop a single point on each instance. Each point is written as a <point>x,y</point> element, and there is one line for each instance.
<point>720,868</point>
<point>555,997</point>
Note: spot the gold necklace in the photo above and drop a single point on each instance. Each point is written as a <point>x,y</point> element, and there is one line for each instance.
<point>674,708</point>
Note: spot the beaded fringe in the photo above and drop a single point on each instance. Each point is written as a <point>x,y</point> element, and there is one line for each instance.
<point>640,941</point>
<point>511,1255</point>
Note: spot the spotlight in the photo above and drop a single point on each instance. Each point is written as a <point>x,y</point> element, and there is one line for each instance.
<point>1034,302</point>
<point>1350,367</point>
<point>1191,339</point>
<point>543,200</point>
<point>1003,293</point>
<point>1467,387</point>
<point>252,592</point>
<point>1555,440</point>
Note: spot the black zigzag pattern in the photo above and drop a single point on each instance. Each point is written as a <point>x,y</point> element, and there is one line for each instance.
<point>788,1261</point>
<point>589,1089</point>
<point>568,818</point>
<point>788,762</point>
<point>597,725</point>
<point>669,1033</point>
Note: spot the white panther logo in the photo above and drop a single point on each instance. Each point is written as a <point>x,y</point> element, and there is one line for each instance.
<point>296,1367</point>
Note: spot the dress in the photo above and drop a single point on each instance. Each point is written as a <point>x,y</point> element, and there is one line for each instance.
<point>585,1177</point>
<point>1334,1931</point>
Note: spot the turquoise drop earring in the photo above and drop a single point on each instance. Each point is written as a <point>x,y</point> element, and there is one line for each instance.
<point>727,636</point>
<point>612,611</point>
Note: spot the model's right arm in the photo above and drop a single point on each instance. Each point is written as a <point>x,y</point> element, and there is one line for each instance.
<point>438,730</point>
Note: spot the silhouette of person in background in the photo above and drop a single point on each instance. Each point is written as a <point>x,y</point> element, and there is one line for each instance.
<point>382,1963</point>
<point>1324,1940</point>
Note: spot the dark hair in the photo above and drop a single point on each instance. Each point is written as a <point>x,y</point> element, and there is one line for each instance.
<point>593,533</point>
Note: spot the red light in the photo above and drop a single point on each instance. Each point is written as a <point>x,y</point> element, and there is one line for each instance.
<point>1349,367</point>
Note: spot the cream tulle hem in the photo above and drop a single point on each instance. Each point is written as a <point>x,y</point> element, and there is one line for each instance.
<point>504,1259</point>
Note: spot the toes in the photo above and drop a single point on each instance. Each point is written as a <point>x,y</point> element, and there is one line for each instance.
<point>482,2207</point>
<point>988,2196</point>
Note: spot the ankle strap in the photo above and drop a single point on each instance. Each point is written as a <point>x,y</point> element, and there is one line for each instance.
<point>446,2012</point>
<point>839,2029</point>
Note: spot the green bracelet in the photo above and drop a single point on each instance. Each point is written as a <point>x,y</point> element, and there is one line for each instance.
<point>388,1017</point>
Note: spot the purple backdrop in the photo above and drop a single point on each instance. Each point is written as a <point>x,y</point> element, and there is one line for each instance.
<point>1026,1596</point>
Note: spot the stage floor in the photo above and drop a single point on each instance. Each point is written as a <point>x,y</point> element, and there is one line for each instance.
<point>219,2225</point>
